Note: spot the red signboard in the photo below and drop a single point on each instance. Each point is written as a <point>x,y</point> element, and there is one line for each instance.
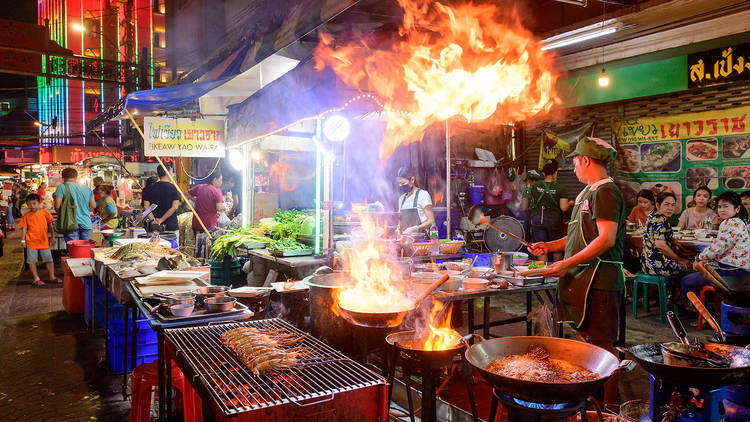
<point>68,154</point>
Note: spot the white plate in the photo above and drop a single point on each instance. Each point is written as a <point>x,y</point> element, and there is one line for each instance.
<point>298,286</point>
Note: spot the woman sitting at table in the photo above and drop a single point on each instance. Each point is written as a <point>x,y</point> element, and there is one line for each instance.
<point>729,253</point>
<point>659,256</point>
<point>696,217</point>
<point>643,209</point>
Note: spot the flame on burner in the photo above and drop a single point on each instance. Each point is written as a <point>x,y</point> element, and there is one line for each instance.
<point>449,61</point>
<point>370,265</point>
<point>441,336</point>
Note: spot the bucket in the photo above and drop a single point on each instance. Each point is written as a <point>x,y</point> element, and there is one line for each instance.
<point>80,248</point>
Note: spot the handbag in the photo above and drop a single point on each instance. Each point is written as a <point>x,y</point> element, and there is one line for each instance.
<point>67,220</point>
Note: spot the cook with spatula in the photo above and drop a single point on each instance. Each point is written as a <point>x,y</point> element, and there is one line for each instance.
<point>591,283</point>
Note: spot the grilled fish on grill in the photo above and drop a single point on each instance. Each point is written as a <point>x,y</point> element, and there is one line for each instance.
<point>263,350</point>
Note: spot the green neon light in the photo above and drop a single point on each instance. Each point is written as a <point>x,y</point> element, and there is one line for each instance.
<point>318,187</point>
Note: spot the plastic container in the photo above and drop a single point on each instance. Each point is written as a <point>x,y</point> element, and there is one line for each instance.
<point>98,297</point>
<point>476,193</point>
<point>80,248</point>
<point>226,272</point>
<point>147,346</point>
<point>72,290</point>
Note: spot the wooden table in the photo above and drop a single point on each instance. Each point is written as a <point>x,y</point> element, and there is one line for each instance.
<point>549,287</point>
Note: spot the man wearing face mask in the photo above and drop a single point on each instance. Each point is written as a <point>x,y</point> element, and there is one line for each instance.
<point>414,204</point>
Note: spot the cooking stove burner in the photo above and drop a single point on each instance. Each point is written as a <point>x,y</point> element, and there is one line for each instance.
<point>429,365</point>
<point>525,411</point>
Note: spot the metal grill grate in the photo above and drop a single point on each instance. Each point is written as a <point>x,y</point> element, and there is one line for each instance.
<point>321,374</point>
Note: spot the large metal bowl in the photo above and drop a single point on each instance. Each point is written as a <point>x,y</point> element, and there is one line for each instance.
<point>211,291</point>
<point>220,303</point>
<point>181,298</point>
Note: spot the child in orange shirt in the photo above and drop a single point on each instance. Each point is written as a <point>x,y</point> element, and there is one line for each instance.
<point>36,233</point>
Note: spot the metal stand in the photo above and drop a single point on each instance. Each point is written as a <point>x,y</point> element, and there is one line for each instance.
<point>518,412</point>
<point>429,374</point>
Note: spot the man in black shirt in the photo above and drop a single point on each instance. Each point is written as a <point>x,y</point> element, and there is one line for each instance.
<point>167,199</point>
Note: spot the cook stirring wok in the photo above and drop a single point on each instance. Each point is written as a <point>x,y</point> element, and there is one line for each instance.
<point>414,204</point>
<point>591,283</point>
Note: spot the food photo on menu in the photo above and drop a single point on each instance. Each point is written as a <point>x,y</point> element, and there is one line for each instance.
<point>661,156</point>
<point>658,187</point>
<point>737,146</point>
<point>628,159</point>
<point>702,176</point>
<point>702,149</point>
<point>736,177</point>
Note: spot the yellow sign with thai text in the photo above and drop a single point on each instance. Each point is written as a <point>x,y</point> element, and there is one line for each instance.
<point>167,137</point>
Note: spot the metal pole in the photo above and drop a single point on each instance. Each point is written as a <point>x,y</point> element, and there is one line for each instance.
<point>252,191</point>
<point>447,181</point>
<point>171,179</point>
<point>243,205</point>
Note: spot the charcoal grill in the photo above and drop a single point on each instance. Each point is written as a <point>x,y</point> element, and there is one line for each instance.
<point>324,386</point>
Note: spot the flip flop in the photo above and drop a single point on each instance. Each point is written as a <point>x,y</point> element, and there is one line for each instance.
<point>38,283</point>
<point>57,280</point>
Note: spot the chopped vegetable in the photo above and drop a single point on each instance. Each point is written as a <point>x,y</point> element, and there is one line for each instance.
<point>286,245</point>
<point>536,264</point>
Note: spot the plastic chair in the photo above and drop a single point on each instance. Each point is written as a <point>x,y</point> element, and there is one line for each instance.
<point>145,377</point>
<point>661,283</point>
<point>717,305</point>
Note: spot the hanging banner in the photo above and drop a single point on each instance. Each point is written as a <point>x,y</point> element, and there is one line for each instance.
<point>682,152</point>
<point>555,146</point>
<point>167,137</point>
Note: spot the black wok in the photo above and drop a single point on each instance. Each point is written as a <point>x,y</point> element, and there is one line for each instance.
<point>387,318</point>
<point>649,356</point>
<point>586,355</point>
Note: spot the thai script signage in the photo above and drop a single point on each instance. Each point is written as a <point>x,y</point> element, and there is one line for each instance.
<point>183,137</point>
<point>722,65</point>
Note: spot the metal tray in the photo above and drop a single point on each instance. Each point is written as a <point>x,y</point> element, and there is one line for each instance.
<point>282,253</point>
<point>202,314</point>
<point>521,281</point>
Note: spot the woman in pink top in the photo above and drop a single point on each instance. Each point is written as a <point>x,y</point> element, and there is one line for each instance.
<point>696,217</point>
<point>208,202</point>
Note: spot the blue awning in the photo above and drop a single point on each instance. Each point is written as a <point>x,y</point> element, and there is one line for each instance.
<point>155,101</point>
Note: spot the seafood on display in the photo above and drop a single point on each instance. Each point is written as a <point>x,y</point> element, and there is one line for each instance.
<point>138,251</point>
<point>263,350</point>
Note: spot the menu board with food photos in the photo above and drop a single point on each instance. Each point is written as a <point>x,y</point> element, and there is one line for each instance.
<point>683,152</point>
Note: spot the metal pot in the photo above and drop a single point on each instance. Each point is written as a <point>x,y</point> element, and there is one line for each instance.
<point>220,303</point>
<point>326,324</point>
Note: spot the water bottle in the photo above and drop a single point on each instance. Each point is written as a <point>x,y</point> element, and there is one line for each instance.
<point>707,225</point>
<point>434,242</point>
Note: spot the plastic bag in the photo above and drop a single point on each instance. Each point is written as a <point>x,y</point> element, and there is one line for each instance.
<point>542,323</point>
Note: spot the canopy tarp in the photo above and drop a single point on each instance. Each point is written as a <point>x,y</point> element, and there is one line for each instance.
<point>155,101</point>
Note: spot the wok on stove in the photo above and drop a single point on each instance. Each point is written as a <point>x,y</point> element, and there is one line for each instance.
<point>649,356</point>
<point>591,357</point>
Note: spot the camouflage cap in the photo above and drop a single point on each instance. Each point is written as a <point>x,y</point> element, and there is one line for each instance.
<point>594,148</point>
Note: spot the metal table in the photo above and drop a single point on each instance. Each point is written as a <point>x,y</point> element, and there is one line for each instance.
<point>159,326</point>
<point>471,296</point>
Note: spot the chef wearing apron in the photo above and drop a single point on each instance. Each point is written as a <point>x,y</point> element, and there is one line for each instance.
<point>592,282</point>
<point>414,204</point>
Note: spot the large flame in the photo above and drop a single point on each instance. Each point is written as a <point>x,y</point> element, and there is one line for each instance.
<point>441,336</point>
<point>449,61</point>
<point>375,288</point>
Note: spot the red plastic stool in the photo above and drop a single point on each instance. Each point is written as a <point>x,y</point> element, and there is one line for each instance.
<point>717,305</point>
<point>145,377</point>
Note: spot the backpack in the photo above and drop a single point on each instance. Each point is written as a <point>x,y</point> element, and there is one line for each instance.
<point>67,220</point>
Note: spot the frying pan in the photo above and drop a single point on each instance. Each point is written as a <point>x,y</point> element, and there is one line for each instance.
<point>586,355</point>
<point>409,344</point>
<point>391,318</point>
<point>649,356</point>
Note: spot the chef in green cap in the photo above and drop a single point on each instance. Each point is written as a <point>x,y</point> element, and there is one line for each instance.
<point>591,283</point>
